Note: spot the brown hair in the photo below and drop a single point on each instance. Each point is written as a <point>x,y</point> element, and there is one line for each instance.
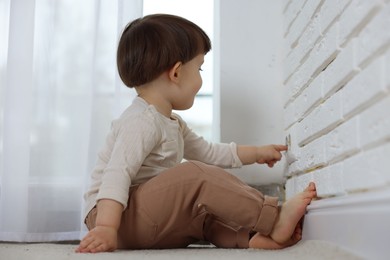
<point>155,43</point>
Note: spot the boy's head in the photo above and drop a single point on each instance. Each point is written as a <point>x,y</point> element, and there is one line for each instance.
<point>153,44</point>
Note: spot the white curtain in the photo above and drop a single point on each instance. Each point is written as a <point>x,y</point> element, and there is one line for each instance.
<point>59,91</point>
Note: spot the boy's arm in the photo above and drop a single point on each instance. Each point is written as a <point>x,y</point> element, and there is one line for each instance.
<point>109,213</point>
<point>103,237</point>
<point>269,154</point>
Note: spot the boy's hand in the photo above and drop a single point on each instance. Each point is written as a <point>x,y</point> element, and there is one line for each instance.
<point>99,239</point>
<point>270,154</point>
<point>104,237</point>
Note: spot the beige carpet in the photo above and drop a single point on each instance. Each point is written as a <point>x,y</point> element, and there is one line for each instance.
<point>303,250</point>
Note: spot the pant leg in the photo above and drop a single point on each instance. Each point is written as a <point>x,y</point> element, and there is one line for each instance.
<point>170,210</point>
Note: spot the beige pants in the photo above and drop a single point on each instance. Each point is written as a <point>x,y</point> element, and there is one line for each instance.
<point>191,202</point>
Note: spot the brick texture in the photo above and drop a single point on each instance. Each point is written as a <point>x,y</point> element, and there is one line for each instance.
<point>337,95</point>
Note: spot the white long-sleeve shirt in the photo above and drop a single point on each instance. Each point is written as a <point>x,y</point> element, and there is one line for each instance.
<point>141,144</point>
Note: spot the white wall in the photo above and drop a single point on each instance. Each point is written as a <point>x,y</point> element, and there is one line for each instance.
<point>337,112</point>
<point>248,52</point>
<point>334,85</point>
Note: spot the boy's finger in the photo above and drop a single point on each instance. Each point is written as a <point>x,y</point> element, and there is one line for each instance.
<point>280,147</point>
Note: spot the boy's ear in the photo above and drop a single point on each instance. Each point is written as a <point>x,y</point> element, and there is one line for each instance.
<point>174,72</point>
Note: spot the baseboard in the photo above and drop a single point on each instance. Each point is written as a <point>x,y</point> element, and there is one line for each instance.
<point>359,223</point>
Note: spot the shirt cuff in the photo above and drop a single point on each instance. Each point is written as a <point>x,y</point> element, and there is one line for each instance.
<point>236,163</point>
<point>113,194</point>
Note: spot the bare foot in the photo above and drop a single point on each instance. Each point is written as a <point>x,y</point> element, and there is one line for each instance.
<point>265,242</point>
<point>291,213</point>
<point>259,241</point>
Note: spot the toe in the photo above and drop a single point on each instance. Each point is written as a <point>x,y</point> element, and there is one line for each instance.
<point>311,187</point>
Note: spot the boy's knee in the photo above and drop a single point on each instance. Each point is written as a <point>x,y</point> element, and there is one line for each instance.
<point>202,167</point>
<point>192,167</point>
<point>204,173</point>
<point>186,170</point>
<point>197,171</point>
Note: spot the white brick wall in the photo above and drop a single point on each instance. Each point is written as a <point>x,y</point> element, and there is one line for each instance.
<point>337,101</point>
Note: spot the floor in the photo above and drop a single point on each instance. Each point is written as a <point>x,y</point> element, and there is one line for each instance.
<point>310,249</point>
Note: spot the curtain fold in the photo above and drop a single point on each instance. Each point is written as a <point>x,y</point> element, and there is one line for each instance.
<point>59,92</point>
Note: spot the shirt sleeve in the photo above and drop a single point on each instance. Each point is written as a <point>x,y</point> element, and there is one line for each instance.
<point>132,142</point>
<point>197,148</point>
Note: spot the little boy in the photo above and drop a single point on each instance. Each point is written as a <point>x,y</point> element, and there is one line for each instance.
<point>142,194</point>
